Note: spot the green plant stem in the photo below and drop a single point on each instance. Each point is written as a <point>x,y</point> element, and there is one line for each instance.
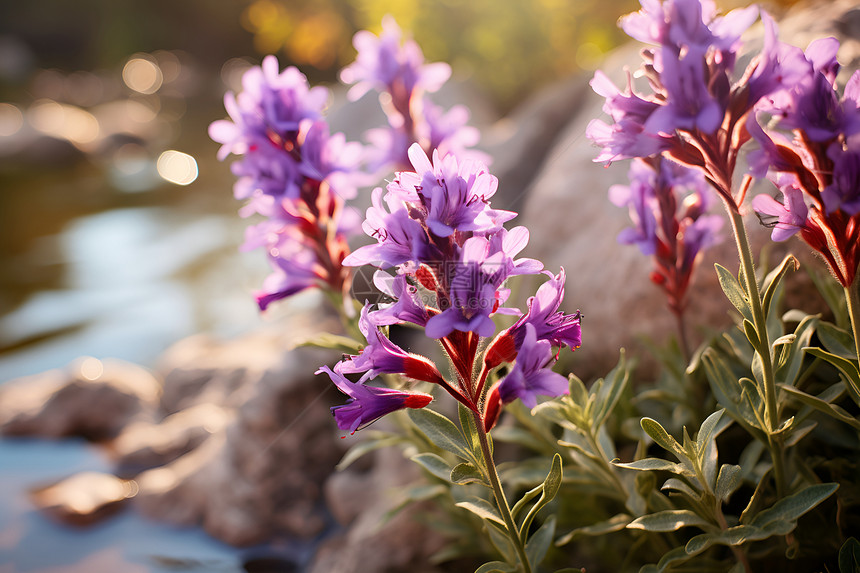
<point>737,551</point>
<point>771,413</point>
<point>852,297</point>
<point>501,500</point>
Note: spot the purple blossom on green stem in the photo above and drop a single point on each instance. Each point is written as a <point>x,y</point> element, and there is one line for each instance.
<point>366,404</point>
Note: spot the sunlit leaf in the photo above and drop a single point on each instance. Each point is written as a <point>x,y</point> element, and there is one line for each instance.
<point>670,520</point>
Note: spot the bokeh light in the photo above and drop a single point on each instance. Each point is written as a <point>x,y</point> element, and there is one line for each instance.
<point>177,167</point>
<point>143,75</point>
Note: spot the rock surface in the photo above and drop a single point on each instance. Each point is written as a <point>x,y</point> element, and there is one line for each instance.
<point>91,398</point>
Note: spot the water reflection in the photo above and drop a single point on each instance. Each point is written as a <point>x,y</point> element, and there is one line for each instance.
<point>135,280</point>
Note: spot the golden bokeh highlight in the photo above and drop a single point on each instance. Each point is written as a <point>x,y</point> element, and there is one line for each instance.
<point>177,167</point>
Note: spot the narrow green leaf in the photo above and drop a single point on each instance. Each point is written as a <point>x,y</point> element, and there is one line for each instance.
<point>846,367</point>
<point>540,542</point>
<point>849,556</point>
<point>728,480</point>
<point>610,391</point>
<point>674,484</point>
<point>615,523</point>
<point>673,557</point>
<point>365,447</point>
<point>654,464</point>
<point>470,431</point>
<point>732,288</point>
<point>578,391</point>
<point>772,280</point>
<point>670,520</point>
<point>790,508</point>
<point>433,464</point>
<point>822,406</point>
<point>732,536</point>
<point>483,509</point>
<point>789,369</point>
<point>752,335</point>
<point>466,473</point>
<point>496,567</point>
<point>553,479</point>
<point>707,432</point>
<point>441,431</point>
<point>549,489</point>
<point>342,344</point>
<point>836,340</point>
<point>661,437</point>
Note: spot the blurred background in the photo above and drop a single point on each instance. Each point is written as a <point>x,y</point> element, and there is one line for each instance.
<point>118,229</point>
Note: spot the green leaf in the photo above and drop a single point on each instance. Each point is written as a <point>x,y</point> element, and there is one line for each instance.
<point>727,391</point>
<point>483,509</point>
<point>661,437</point>
<point>708,431</point>
<point>578,392</point>
<point>792,359</point>
<point>733,290</point>
<point>433,464</point>
<point>467,473</point>
<point>846,367</point>
<point>342,344</point>
<point>728,480</point>
<point>610,392</point>
<point>470,431</point>
<point>615,523</point>
<point>496,567</point>
<point>772,280</point>
<point>836,340</point>
<point>823,405</point>
<point>540,542</point>
<point>672,557</point>
<point>790,508</point>
<point>441,431</point>
<point>670,520</point>
<point>849,556</point>
<point>655,464</point>
<point>367,445</point>
<point>752,335</point>
<point>737,535</point>
<point>549,489</point>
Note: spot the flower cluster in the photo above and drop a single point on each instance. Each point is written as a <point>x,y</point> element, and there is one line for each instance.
<point>696,111</point>
<point>452,257</point>
<point>818,169</point>
<point>397,70</point>
<point>293,172</point>
<point>668,205</point>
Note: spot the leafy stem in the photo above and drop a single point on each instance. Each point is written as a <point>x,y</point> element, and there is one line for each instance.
<point>762,348</point>
<point>499,493</point>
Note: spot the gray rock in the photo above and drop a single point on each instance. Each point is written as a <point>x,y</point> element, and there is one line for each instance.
<point>90,398</point>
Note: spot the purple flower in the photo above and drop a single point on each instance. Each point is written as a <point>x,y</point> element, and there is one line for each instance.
<point>455,193</point>
<point>271,105</point>
<point>473,292</point>
<point>548,322</point>
<point>381,356</point>
<point>778,67</point>
<point>844,192</point>
<point>791,215</point>
<point>626,137</point>
<point>641,202</point>
<point>296,268</point>
<point>530,375</point>
<point>400,238</point>
<point>407,305</point>
<point>367,404</point>
<point>382,63</point>
<point>689,104</point>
